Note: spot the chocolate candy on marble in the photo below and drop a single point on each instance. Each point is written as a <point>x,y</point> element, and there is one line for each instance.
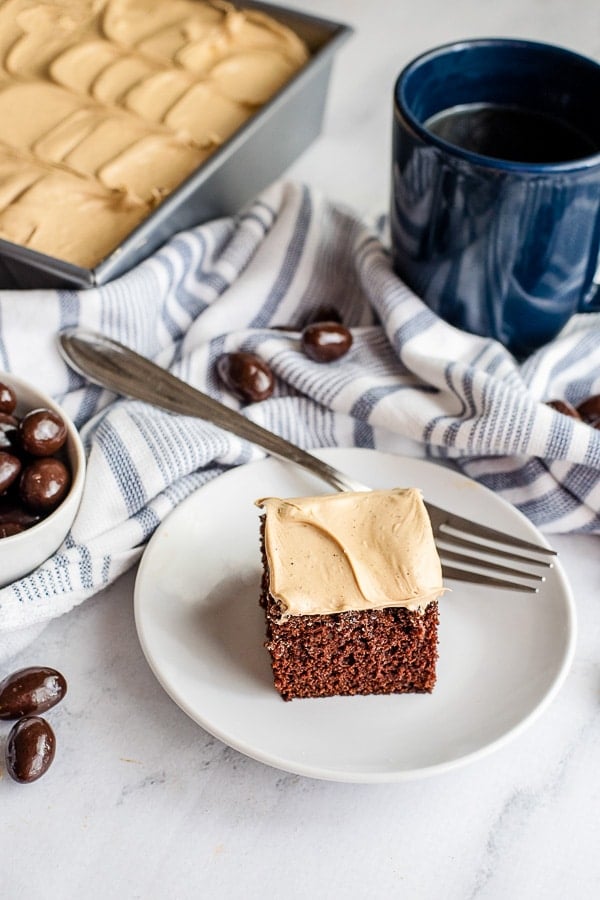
<point>31,691</point>
<point>326,341</point>
<point>246,375</point>
<point>30,749</point>
<point>31,743</point>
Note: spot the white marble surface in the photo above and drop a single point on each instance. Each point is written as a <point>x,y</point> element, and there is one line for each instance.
<point>142,803</point>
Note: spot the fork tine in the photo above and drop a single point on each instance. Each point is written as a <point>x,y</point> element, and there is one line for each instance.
<point>465,542</point>
<point>445,522</point>
<point>496,568</point>
<point>470,577</point>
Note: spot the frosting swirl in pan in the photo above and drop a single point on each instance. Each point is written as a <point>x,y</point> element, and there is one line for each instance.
<point>107,105</point>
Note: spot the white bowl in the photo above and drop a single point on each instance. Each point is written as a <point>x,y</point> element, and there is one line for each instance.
<point>22,553</point>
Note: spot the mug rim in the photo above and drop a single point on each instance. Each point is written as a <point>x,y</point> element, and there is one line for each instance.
<point>401,107</point>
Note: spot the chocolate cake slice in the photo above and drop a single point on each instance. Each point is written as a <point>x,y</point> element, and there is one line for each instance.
<point>350,588</point>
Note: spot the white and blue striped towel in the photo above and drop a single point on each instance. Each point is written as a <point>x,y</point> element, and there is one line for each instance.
<point>411,383</point>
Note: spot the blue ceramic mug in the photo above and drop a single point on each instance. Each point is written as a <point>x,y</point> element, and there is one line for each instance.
<point>495,212</point>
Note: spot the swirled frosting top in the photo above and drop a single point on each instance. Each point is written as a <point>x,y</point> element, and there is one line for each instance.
<point>351,551</point>
<point>107,105</point>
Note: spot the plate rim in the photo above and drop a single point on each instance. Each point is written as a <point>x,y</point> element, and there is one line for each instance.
<point>328,773</point>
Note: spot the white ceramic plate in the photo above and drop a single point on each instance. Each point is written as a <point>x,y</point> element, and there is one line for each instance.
<point>503,655</point>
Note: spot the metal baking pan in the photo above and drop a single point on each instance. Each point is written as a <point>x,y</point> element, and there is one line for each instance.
<point>251,159</point>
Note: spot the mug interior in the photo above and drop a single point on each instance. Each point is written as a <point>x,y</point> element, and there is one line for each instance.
<point>526,75</point>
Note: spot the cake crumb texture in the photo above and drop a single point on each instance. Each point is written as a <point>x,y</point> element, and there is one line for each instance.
<point>387,651</point>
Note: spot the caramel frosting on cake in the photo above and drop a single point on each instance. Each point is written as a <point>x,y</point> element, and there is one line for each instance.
<point>107,105</point>
<point>351,551</point>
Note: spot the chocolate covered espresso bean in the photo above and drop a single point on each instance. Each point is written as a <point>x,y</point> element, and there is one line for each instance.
<point>9,431</point>
<point>30,749</point>
<point>12,510</point>
<point>31,691</point>
<point>246,375</point>
<point>8,398</point>
<point>42,432</point>
<point>44,483</point>
<point>589,410</point>
<point>34,473</point>
<point>326,341</point>
<point>10,468</point>
<point>564,407</point>
<point>8,529</point>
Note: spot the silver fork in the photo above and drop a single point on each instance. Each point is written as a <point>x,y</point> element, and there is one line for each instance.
<point>469,551</point>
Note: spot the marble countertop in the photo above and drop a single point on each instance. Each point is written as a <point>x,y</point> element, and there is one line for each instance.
<point>142,803</point>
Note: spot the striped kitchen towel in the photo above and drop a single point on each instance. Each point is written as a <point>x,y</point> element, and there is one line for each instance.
<point>410,384</point>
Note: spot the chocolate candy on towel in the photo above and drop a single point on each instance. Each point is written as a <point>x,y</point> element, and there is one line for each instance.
<point>589,410</point>
<point>246,375</point>
<point>326,341</point>
<point>564,407</point>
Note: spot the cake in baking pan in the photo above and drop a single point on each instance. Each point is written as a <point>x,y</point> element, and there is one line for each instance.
<point>106,106</point>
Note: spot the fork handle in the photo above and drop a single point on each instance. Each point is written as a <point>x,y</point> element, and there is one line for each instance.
<point>114,366</point>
